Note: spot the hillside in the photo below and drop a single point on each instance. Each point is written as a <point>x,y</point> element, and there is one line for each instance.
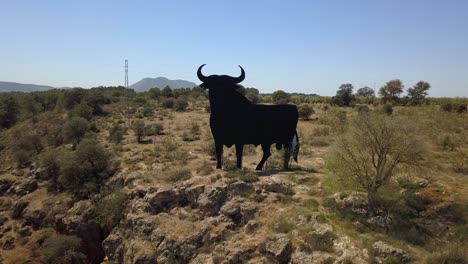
<point>137,184</point>
<point>21,87</point>
<point>160,82</point>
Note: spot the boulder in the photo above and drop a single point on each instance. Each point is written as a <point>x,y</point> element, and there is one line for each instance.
<point>113,246</point>
<point>382,249</point>
<point>18,208</point>
<point>161,200</point>
<point>202,259</point>
<point>79,221</point>
<point>24,187</point>
<point>7,243</point>
<point>240,188</point>
<point>280,249</point>
<point>5,185</point>
<point>212,199</point>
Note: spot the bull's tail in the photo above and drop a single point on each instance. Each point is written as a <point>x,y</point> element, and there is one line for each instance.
<point>291,149</point>
<point>295,145</point>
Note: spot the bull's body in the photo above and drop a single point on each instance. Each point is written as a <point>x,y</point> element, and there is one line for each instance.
<point>236,121</point>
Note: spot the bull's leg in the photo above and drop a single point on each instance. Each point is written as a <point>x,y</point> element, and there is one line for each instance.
<point>239,150</point>
<point>219,154</point>
<point>266,155</point>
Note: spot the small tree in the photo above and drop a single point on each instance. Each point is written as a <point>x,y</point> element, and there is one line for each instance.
<point>369,154</point>
<point>252,94</point>
<point>116,133</point>
<point>181,104</point>
<point>391,91</point>
<point>344,95</point>
<point>154,93</point>
<point>9,111</point>
<point>280,97</point>
<point>167,92</point>
<point>417,94</point>
<point>75,129</point>
<point>50,163</point>
<point>138,128</point>
<point>83,110</point>
<point>365,92</point>
<point>305,110</point>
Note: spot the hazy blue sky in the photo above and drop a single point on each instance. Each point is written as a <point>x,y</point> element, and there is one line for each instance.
<point>298,46</point>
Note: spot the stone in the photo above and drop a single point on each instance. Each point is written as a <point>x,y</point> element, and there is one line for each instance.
<point>240,188</point>
<point>112,246</point>
<point>24,187</point>
<point>25,231</point>
<point>202,259</point>
<point>251,226</point>
<point>212,199</point>
<point>233,211</point>
<point>280,249</point>
<point>299,257</point>
<point>18,208</point>
<point>35,218</point>
<point>382,249</point>
<point>161,200</point>
<point>7,243</point>
<point>5,185</point>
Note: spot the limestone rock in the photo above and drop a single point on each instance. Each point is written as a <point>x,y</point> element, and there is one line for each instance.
<point>202,259</point>
<point>382,249</point>
<point>280,249</point>
<point>24,187</point>
<point>161,200</point>
<point>18,208</point>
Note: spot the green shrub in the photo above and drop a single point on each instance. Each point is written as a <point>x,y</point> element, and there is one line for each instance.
<point>454,255</point>
<point>447,107</point>
<point>138,128</point>
<point>181,104</point>
<point>55,136</point>
<point>305,110</point>
<point>83,110</point>
<point>116,133</point>
<point>319,242</point>
<point>147,111</point>
<point>75,129</point>
<point>62,249</point>
<point>282,225</point>
<point>50,163</point>
<point>168,103</point>
<point>158,128</point>
<point>387,109</point>
<point>179,175</point>
<point>362,108</point>
<point>111,209</point>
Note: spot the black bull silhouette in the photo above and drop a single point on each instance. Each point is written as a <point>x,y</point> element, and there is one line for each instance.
<point>236,121</point>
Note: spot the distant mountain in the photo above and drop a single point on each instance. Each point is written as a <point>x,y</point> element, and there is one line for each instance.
<point>160,82</point>
<point>21,87</point>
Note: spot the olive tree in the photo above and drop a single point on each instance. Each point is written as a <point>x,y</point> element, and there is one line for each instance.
<point>372,150</point>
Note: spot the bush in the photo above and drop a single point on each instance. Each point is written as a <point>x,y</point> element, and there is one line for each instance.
<point>75,129</point>
<point>55,136</point>
<point>447,107</point>
<point>147,111</point>
<point>83,110</point>
<point>158,129</point>
<point>181,104</point>
<point>280,97</point>
<point>138,128</point>
<point>460,108</point>
<point>193,133</point>
<point>305,110</point>
<point>84,170</point>
<point>387,109</point>
<point>362,108</point>
<point>179,175</point>
<point>50,163</point>
<point>319,242</point>
<point>168,103</point>
<point>63,249</point>
<point>111,209</point>
<point>116,133</point>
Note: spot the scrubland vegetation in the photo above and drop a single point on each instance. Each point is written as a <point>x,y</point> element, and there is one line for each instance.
<point>390,168</point>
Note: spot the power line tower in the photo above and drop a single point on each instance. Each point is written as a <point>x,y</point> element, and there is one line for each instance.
<point>126,73</point>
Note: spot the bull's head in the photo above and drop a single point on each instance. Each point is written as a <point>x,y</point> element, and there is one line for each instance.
<point>221,81</point>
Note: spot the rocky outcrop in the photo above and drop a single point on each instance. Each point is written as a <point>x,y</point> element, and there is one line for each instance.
<point>383,250</point>
<point>18,208</point>
<point>5,185</point>
<point>79,221</point>
<point>280,249</point>
<point>23,187</point>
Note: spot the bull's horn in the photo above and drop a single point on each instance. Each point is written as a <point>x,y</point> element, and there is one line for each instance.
<point>241,77</point>
<point>200,74</point>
